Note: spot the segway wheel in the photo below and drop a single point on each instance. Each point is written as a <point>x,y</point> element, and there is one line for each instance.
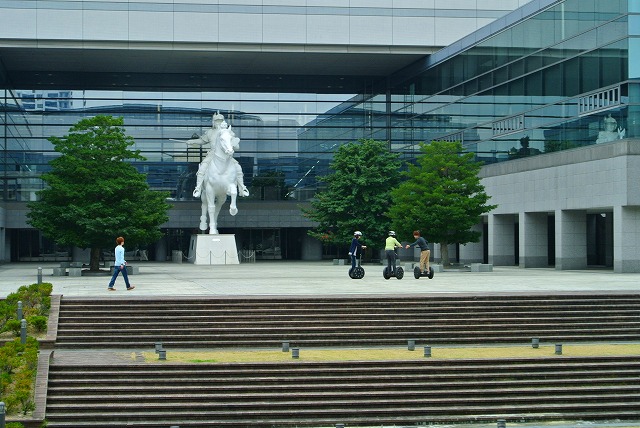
<point>385,273</point>
<point>351,273</point>
<point>399,273</point>
<point>358,273</point>
<point>430,272</point>
<point>416,272</point>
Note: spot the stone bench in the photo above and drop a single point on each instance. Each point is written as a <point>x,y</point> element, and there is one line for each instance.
<point>481,267</point>
<point>75,271</point>
<point>59,271</point>
<point>131,270</point>
<point>338,262</point>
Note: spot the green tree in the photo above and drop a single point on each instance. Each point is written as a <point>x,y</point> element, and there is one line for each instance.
<point>357,194</point>
<point>94,195</point>
<point>442,197</point>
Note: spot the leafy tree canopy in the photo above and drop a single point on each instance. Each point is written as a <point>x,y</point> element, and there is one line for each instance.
<point>442,196</point>
<point>357,194</point>
<point>93,195</point>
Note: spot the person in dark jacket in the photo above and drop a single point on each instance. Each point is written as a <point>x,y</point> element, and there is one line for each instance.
<point>425,252</point>
<point>356,248</point>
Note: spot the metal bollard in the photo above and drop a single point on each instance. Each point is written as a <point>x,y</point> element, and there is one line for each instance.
<point>20,311</point>
<point>162,354</point>
<point>535,343</point>
<point>158,346</point>
<point>427,351</point>
<point>502,423</point>
<point>39,275</point>
<point>295,352</point>
<point>23,331</point>
<point>285,346</point>
<point>411,345</point>
<point>2,414</point>
<point>558,349</point>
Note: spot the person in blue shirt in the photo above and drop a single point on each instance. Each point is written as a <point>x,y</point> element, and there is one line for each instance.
<point>120,265</point>
<point>356,248</point>
<point>425,252</point>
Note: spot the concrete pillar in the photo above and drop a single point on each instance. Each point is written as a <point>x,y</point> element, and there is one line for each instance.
<point>472,252</point>
<point>571,239</point>
<point>626,239</point>
<point>161,250</point>
<point>501,240</point>
<point>311,248</point>
<point>608,240</point>
<point>533,240</point>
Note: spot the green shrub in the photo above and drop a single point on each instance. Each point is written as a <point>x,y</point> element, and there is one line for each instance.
<point>38,322</point>
<point>13,326</point>
<point>19,363</point>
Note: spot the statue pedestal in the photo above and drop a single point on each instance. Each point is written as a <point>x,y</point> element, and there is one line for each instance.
<point>213,250</point>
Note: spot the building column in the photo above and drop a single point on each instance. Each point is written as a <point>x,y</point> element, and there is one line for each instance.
<point>471,252</point>
<point>533,240</point>
<point>501,240</point>
<point>626,239</point>
<point>609,257</point>
<point>311,248</point>
<point>571,239</point>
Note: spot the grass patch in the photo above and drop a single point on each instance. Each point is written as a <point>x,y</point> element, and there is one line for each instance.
<point>386,354</point>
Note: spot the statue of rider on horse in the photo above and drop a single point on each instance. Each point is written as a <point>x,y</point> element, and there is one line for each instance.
<point>219,174</point>
<point>210,137</point>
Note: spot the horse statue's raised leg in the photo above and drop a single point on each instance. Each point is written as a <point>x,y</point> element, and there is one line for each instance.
<point>232,191</point>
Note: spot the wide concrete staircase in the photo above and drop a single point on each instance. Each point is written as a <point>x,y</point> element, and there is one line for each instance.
<point>352,393</point>
<point>92,392</point>
<point>313,322</point>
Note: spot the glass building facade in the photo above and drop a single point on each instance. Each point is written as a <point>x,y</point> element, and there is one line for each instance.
<point>550,76</point>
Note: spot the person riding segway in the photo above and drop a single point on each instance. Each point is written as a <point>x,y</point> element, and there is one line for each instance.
<point>423,270</point>
<point>355,252</point>
<point>391,244</point>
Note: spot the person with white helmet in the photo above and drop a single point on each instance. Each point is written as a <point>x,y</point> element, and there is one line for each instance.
<point>356,248</point>
<point>390,246</point>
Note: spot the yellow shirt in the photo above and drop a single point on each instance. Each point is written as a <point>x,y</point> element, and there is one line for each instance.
<point>391,243</point>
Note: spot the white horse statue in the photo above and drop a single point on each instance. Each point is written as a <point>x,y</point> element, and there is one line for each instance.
<point>221,179</point>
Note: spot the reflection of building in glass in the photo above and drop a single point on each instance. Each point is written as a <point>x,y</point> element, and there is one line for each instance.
<point>46,100</point>
<point>519,92</point>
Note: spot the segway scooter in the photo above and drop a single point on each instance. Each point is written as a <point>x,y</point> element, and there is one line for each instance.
<point>399,273</point>
<point>358,271</point>
<point>417,273</point>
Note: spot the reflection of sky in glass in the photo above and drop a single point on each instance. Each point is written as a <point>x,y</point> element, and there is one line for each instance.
<point>634,52</point>
<point>301,108</point>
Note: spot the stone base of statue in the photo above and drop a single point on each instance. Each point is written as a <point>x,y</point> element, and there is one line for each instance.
<point>213,250</point>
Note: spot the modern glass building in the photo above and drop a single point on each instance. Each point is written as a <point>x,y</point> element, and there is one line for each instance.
<point>543,92</point>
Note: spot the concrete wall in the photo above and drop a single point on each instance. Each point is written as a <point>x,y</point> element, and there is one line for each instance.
<point>416,23</point>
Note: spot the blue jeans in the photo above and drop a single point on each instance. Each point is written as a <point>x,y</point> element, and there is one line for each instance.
<point>116,271</point>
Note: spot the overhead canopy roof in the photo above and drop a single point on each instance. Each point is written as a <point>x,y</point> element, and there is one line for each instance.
<point>243,68</point>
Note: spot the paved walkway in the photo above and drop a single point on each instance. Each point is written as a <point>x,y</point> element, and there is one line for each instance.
<point>278,278</point>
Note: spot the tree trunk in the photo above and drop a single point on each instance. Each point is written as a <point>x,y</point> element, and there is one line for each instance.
<point>444,252</point>
<point>94,261</point>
